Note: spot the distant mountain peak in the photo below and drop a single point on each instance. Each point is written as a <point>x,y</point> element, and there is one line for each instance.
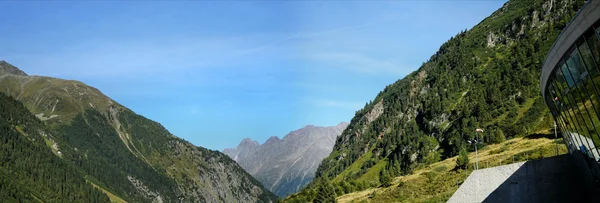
<point>248,142</point>
<point>272,140</point>
<point>8,69</point>
<point>285,165</point>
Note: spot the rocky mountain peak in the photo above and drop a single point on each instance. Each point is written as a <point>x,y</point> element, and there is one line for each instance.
<point>272,140</point>
<point>248,142</point>
<point>285,165</point>
<point>6,69</point>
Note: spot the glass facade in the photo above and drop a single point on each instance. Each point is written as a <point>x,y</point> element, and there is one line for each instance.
<point>572,93</point>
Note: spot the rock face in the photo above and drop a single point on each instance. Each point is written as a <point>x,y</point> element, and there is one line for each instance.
<point>285,165</point>
<point>246,148</point>
<point>135,158</point>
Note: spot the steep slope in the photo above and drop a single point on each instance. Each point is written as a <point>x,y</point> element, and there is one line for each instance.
<point>285,165</point>
<point>134,158</point>
<point>29,171</point>
<point>485,78</point>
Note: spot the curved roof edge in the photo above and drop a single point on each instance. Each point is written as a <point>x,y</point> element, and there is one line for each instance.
<point>584,19</point>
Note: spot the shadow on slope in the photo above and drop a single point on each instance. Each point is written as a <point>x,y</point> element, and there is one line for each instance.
<point>555,179</point>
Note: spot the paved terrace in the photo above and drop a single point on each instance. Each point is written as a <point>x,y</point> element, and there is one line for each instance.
<point>554,179</point>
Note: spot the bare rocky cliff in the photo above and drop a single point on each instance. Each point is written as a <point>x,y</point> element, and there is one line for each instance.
<point>285,165</point>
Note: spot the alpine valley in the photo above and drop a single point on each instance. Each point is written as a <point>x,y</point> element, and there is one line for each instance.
<point>64,141</point>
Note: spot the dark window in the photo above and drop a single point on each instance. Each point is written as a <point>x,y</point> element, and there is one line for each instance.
<point>575,66</point>
<point>594,45</point>
<point>588,58</point>
<point>567,75</point>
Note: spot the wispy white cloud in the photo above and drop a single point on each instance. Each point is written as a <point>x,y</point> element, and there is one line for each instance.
<point>151,56</point>
<point>157,57</point>
<point>340,29</point>
<point>336,103</point>
<point>359,62</point>
<point>305,35</point>
<point>269,44</point>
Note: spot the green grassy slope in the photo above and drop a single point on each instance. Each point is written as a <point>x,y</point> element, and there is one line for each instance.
<point>437,182</point>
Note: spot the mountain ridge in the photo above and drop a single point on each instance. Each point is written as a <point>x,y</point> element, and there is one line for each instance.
<point>285,165</point>
<point>7,68</point>
<point>141,161</point>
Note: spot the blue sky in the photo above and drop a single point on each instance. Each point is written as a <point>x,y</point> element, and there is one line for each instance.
<point>214,73</point>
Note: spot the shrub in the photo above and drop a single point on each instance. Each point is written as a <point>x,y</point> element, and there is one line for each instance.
<point>325,192</point>
<point>463,159</point>
<point>373,194</point>
<point>385,178</point>
<point>440,168</point>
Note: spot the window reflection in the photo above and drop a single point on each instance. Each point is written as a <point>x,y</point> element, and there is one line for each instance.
<point>588,58</point>
<point>573,97</point>
<point>567,75</point>
<point>575,63</point>
<point>591,104</point>
<point>594,44</point>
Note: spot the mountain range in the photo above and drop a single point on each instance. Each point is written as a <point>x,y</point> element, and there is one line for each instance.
<point>285,165</point>
<point>67,142</point>
<point>101,149</point>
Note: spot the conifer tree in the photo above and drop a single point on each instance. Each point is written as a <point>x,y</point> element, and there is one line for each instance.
<point>325,192</point>
<point>463,159</point>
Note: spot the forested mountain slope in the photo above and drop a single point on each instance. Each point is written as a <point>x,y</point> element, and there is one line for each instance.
<point>29,171</point>
<point>286,165</point>
<point>133,157</point>
<point>486,77</point>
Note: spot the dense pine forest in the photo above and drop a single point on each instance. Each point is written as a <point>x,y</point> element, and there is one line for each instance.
<point>486,77</point>
<point>29,171</point>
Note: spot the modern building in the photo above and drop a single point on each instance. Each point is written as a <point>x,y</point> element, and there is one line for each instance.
<point>570,85</point>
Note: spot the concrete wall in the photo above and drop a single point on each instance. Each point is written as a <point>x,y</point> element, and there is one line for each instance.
<point>552,179</point>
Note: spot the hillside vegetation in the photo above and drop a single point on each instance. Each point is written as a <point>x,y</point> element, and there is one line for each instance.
<point>486,77</point>
<point>437,182</point>
<point>29,171</point>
